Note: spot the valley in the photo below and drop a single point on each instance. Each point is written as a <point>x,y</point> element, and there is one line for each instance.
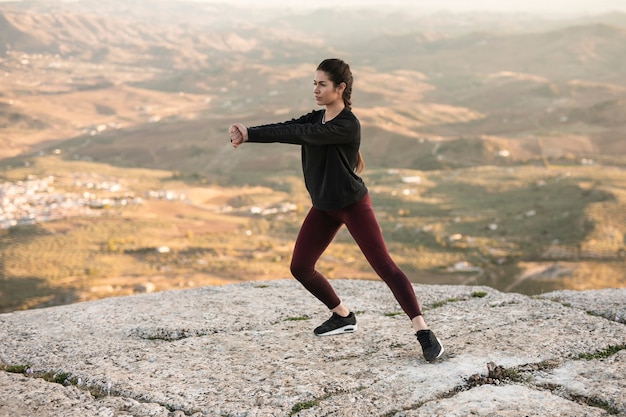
<point>495,152</point>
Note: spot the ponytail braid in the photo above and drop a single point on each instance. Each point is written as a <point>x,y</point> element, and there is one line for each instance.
<point>339,72</point>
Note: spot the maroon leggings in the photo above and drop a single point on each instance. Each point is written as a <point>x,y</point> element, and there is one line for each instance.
<point>318,230</point>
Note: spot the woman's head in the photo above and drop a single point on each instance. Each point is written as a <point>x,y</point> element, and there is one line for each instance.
<point>338,72</point>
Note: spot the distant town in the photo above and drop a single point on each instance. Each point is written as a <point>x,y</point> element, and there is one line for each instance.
<point>36,200</point>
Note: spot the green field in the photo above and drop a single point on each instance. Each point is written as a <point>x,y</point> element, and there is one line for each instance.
<point>525,228</point>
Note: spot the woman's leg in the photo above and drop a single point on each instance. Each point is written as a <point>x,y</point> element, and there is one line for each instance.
<point>362,225</point>
<point>316,233</point>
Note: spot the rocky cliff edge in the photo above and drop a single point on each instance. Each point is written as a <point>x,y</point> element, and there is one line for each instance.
<point>248,350</point>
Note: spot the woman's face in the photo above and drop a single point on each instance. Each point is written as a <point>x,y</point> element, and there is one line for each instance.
<point>325,92</point>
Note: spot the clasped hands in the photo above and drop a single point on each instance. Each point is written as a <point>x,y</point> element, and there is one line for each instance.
<point>238,134</point>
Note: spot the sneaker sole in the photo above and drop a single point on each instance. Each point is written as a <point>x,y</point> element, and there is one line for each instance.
<point>440,353</point>
<point>349,328</point>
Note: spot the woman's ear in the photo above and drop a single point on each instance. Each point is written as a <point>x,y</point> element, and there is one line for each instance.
<point>341,87</point>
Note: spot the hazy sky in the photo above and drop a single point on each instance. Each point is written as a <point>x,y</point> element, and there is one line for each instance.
<point>565,7</point>
<point>543,6</point>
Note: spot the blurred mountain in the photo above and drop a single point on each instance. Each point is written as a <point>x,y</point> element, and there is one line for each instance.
<point>512,79</point>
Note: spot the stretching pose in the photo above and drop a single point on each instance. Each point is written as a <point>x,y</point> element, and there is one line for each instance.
<point>331,161</point>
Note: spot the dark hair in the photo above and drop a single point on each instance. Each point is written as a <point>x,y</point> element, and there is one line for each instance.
<point>339,72</point>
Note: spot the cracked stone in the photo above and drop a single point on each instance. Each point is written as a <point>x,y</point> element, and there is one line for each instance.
<point>254,362</point>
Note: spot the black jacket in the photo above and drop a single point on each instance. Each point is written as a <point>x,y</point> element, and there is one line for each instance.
<point>329,155</point>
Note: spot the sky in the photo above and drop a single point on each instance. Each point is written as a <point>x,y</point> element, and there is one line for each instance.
<point>533,6</point>
<point>557,7</point>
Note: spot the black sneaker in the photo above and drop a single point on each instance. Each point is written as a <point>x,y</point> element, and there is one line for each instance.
<point>430,345</point>
<point>337,325</point>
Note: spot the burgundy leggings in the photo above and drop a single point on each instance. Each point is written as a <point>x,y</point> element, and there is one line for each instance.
<point>318,230</point>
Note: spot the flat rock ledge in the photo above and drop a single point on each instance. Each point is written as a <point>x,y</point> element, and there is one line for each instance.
<point>248,350</point>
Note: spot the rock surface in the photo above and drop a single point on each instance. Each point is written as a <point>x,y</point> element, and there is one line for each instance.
<point>248,350</point>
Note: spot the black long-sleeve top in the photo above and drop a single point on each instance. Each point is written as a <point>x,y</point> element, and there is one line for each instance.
<point>329,155</point>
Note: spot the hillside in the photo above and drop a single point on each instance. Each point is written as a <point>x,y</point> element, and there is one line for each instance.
<point>554,76</point>
<point>590,52</point>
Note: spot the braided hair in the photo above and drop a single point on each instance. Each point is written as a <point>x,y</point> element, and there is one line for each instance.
<point>339,72</point>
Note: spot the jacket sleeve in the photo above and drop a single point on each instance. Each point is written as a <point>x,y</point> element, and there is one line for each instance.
<point>340,130</point>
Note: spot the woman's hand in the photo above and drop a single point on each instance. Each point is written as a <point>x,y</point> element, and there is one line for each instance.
<point>238,134</point>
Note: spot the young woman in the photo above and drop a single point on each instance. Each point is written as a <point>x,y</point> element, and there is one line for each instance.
<point>330,140</point>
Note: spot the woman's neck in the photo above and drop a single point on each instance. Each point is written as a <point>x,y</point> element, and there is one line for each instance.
<point>332,111</point>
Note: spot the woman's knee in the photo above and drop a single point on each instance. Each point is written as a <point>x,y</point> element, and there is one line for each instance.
<point>301,271</point>
<point>391,275</point>
<point>386,270</point>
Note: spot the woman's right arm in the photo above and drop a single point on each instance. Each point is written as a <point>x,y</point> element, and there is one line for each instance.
<point>239,133</point>
<point>343,129</point>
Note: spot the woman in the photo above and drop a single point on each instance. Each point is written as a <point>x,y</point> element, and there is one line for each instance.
<point>330,140</point>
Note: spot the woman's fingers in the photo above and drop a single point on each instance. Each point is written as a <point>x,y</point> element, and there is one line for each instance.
<point>237,133</point>
<point>243,130</point>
